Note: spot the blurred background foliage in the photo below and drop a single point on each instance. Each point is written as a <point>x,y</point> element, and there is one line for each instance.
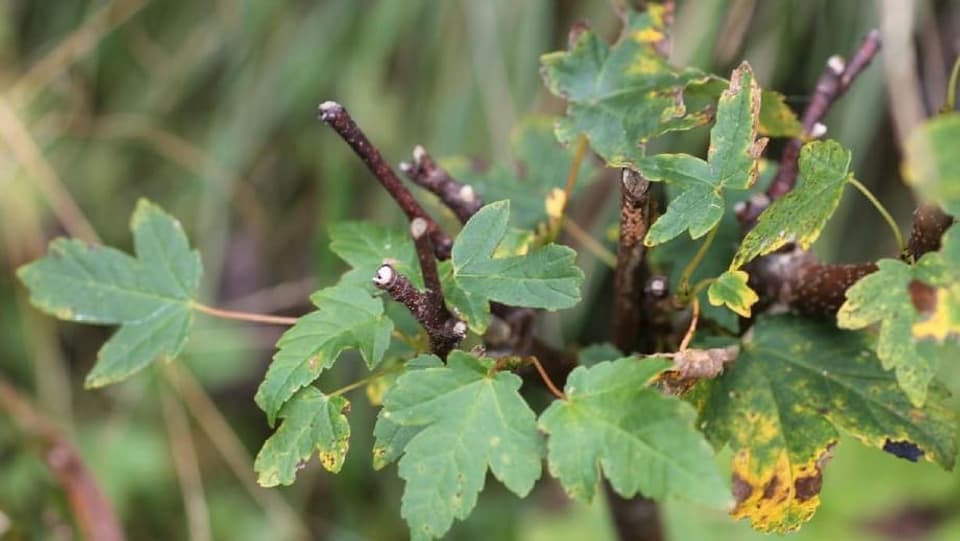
<point>208,108</point>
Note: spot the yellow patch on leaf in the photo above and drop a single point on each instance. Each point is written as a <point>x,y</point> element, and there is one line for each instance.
<point>779,499</point>
<point>945,319</point>
<point>645,65</point>
<point>648,35</point>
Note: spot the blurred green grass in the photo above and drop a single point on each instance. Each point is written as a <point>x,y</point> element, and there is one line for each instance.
<point>209,109</point>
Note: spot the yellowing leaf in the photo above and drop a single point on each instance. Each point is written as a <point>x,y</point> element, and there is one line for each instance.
<point>801,214</point>
<point>945,319</point>
<point>732,164</point>
<point>731,289</point>
<point>149,296</point>
<point>620,96</point>
<point>780,404</point>
<point>312,423</point>
<point>883,297</point>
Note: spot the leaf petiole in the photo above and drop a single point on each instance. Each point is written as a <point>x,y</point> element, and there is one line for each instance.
<point>243,316</point>
<point>901,246</point>
<point>951,102</point>
<point>683,287</point>
<point>366,380</point>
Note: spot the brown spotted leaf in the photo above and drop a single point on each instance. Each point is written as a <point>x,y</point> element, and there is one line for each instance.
<point>312,423</point>
<point>781,404</point>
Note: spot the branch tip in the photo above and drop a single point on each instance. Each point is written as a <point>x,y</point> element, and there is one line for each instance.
<point>329,109</point>
<point>384,275</point>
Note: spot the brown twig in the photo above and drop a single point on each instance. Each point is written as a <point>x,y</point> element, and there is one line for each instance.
<point>929,224</point>
<point>444,330</point>
<point>636,210</point>
<point>92,511</point>
<point>424,171</point>
<point>337,117</point>
<point>833,83</point>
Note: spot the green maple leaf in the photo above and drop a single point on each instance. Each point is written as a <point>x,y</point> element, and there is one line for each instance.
<point>470,419</point>
<point>780,405</point>
<point>346,317</point>
<point>391,438</point>
<point>149,296</point>
<point>365,247</point>
<point>622,95</point>
<point>312,423</point>
<point>931,164</point>
<point>731,289</point>
<point>541,165</point>
<point>641,439</point>
<point>545,277</point>
<point>732,164</point>
<point>801,214</point>
<point>885,297</point>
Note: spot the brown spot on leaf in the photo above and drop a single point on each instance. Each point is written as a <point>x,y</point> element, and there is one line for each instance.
<point>923,297</point>
<point>808,486</point>
<point>740,488</point>
<point>771,488</point>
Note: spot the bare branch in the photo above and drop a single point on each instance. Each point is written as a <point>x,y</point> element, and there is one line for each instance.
<point>424,171</point>
<point>444,330</point>
<point>836,79</point>
<point>337,117</point>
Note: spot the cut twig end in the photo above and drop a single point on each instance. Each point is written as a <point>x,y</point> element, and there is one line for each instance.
<point>384,275</point>
<point>836,64</point>
<point>329,110</point>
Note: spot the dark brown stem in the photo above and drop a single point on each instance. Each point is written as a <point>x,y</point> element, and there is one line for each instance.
<point>929,224</point>
<point>424,171</point>
<point>444,330</point>
<point>636,518</point>
<point>92,511</point>
<point>636,214</point>
<point>337,117</point>
<point>833,83</point>
<point>796,281</point>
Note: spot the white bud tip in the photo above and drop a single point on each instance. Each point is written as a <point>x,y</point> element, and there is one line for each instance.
<point>467,194</point>
<point>419,153</point>
<point>418,226</point>
<point>406,167</point>
<point>760,200</point>
<point>384,275</point>
<point>819,130</point>
<point>836,64</point>
<point>739,207</point>
<point>460,328</point>
<point>329,108</point>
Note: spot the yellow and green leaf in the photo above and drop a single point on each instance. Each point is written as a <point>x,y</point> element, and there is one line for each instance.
<point>780,406</point>
<point>731,289</point>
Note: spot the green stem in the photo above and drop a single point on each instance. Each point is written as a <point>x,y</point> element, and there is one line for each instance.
<point>951,102</point>
<point>364,381</point>
<point>901,246</point>
<point>701,285</point>
<point>684,284</point>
